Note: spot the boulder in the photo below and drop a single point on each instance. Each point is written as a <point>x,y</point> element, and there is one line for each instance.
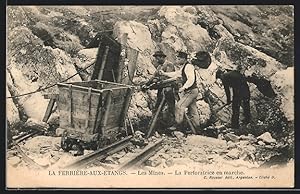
<point>204,111</point>
<point>178,134</point>
<point>16,16</point>
<point>139,37</point>
<point>197,140</point>
<point>87,57</point>
<point>234,153</point>
<point>261,143</point>
<point>251,138</point>
<point>183,22</point>
<point>14,161</point>
<point>231,137</point>
<point>12,113</point>
<point>266,138</point>
<point>231,145</point>
<point>32,105</point>
<point>285,89</point>
<point>153,161</point>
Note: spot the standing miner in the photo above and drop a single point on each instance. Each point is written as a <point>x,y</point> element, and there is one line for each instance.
<point>161,64</point>
<point>189,90</point>
<point>241,95</point>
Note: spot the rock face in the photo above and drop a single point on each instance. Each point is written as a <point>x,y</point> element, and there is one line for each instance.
<point>87,57</point>
<point>181,32</point>
<point>261,27</point>
<point>33,66</point>
<point>12,113</point>
<point>285,88</point>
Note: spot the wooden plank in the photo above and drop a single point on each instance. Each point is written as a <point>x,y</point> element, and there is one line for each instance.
<point>78,124</point>
<point>79,110</point>
<point>103,62</point>
<point>131,56</point>
<point>106,112</point>
<point>190,123</point>
<point>62,86</point>
<point>98,114</point>
<point>125,107</point>
<point>112,120</point>
<point>80,98</point>
<point>77,115</point>
<point>49,109</point>
<point>70,105</point>
<point>154,118</point>
<point>120,69</point>
<point>89,108</point>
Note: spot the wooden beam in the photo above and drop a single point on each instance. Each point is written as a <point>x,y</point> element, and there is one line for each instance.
<point>190,123</point>
<point>123,42</point>
<point>49,109</point>
<point>106,111</point>
<point>103,63</point>
<point>154,118</point>
<point>126,106</point>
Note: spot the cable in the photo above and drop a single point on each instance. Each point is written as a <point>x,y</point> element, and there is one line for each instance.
<point>41,89</point>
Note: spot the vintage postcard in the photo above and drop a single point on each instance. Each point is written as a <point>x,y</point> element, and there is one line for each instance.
<point>143,97</point>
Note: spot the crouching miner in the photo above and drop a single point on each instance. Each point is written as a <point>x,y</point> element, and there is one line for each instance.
<point>241,95</point>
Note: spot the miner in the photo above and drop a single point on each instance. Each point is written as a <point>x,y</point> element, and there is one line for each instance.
<point>161,64</point>
<point>241,95</point>
<point>189,90</point>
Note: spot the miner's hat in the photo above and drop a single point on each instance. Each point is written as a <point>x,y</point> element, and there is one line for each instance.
<point>202,59</point>
<point>182,55</point>
<point>159,53</point>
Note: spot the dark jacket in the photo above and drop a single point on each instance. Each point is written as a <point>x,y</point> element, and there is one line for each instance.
<point>236,81</point>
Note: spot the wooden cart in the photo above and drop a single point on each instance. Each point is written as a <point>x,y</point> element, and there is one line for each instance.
<point>93,112</point>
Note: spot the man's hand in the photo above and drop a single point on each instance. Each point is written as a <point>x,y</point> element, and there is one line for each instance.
<point>228,102</point>
<point>161,72</point>
<point>144,87</point>
<point>181,89</point>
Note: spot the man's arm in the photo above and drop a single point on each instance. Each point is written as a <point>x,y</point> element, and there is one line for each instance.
<point>155,76</point>
<point>227,91</point>
<point>174,74</point>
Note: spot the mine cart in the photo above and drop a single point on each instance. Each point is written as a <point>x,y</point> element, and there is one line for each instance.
<point>93,112</point>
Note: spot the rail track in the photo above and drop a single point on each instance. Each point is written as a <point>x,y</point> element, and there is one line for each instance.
<point>99,155</point>
<point>95,158</point>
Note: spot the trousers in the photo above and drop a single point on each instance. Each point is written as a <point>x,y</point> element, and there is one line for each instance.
<point>236,103</point>
<point>188,100</point>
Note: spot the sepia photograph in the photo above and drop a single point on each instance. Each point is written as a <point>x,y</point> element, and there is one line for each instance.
<point>149,97</point>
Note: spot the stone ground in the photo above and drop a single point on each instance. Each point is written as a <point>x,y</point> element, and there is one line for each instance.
<point>179,149</point>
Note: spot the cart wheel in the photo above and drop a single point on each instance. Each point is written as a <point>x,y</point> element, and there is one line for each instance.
<point>102,142</point>
<point>66,144</point>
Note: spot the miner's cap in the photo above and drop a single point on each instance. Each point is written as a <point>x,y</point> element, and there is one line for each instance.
<point>159,53</point>
<point>202,59</point>
<point>181,54</point>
